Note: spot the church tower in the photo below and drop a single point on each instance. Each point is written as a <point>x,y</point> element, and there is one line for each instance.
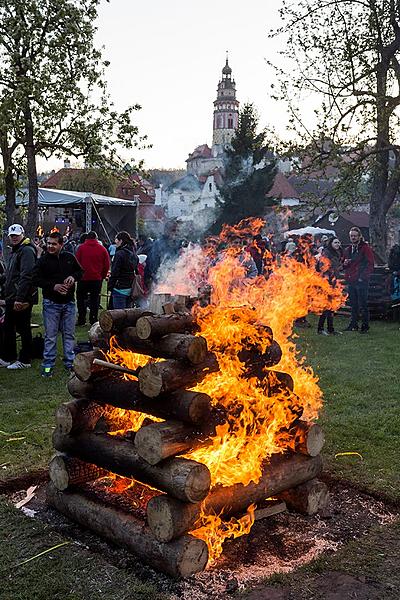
<point>226,108</point>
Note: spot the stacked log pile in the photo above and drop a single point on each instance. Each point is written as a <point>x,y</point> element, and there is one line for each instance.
<point>93,440</point>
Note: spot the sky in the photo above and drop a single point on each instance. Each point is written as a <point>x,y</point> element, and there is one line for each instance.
<point>167,55</point>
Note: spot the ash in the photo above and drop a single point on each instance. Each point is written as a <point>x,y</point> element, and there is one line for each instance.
<point>278,544</point>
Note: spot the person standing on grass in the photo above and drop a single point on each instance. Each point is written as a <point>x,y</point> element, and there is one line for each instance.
<point>358,268</point>
<point>95,262</point>
<point>330,266</point>
<point>20,295</point>
<point>56,273</point>
<point>123,270</point>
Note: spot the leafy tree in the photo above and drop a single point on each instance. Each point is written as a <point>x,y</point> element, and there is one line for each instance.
<point>248,177</point>
<point>343,55</point>
<point>89,180</point>
<point>53,96</point>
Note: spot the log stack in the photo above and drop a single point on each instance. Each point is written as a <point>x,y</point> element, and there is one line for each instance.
<point>134,423</point>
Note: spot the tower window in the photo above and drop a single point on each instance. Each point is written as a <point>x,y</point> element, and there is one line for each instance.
<point>230,122</point>
<point>210,187</point>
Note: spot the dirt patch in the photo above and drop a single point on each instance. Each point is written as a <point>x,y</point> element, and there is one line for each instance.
<point>279,544</point>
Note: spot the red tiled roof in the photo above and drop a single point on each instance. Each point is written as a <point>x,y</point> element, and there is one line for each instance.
<point>282,188</point>
<point>359,218</point>
<point>54,180</point>
<point>203,151</point>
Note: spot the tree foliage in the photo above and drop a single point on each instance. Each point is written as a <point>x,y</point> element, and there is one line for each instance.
<point>53,96</point>
<point>343,56</point>
<point>248,176</point>
<point>95,181</point>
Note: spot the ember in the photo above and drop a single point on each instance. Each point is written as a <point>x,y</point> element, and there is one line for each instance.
<point>242,428</point>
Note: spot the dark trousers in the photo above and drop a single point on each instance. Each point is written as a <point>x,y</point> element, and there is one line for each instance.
<point>17,322</point>
<point>88,292</point>
<point>328,316</point>
<point>358,297</point>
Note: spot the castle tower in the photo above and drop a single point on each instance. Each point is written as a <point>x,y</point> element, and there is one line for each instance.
<point>226,108</point>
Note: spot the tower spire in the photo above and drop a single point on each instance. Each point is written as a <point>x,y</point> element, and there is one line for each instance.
<point>226,108</point>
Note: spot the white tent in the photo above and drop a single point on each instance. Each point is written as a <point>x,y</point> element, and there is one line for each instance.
<point>311,230</point>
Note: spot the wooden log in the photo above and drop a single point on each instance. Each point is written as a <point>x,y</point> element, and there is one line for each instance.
<point>308,437</point>
<point>83,364</point>
<point>174,345</point>
<point>180,558</point>
<point>181,478</point>
<point>115,320</point>
<point>106,365</point>
<point>98,338</point>
<point>170,375</point>
<point>65,471</point>
<point>256,363</point>
<point>278,382</point>
<point>169,518</point>
<point>308,498</point>
<point>159,325</point>
<point>78,415</point>
<point>271,509</point>
<point>158,441</point>
<point>182,405</point>
<point>157,302</point>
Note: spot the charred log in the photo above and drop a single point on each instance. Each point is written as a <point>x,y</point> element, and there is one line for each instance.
<point>180,558</point>
<point>84,367</point>
<point>181,478</point>
<point>115,320</point>
<point>307,498</point>
<point>65,471</point>
<point>169,518</point>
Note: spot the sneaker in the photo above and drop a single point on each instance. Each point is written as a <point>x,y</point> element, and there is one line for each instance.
<point>47,372</point>
<point>335,333</point>
<point>19,365</point>
<point>4,363</point>
<point>322,332</point>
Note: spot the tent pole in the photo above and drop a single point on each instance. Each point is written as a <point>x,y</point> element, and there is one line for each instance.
<point>88,214</point>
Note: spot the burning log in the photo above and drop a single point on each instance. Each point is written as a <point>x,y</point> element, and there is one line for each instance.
<point>65,471</point>
<point>309,438</point>
<point>182,405</point>
<point>308,498</point>
<point>278,381</point>
<point>180,558</point>
<point>256,363</point>
<point>174,345</point>
<point>158,325</point>
<point>169,518</point>
<point>170,375</point>
<point>158,441</point>
<point>115,320</point>
<point>181,478</point>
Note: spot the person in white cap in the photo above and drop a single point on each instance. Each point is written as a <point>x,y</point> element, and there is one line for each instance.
<point>20,295</point>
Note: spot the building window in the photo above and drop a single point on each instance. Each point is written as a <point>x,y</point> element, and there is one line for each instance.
<point>210,187</point>
<point>230,123</point>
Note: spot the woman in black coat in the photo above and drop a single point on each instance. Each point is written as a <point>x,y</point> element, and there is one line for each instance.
<point>123,270</point>
<point>330,266</point>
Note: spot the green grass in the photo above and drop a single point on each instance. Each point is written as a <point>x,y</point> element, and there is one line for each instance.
<point>359,377</point>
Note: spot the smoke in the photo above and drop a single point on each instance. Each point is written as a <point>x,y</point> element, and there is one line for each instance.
<point>184,275</point>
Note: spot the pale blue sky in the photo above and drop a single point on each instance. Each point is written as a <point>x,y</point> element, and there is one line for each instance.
<point>167,55</point>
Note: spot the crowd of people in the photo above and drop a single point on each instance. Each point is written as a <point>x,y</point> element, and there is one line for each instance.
<point>71,274</point>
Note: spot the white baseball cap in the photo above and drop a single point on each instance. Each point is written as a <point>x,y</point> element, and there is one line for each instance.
<point>16,229</point>
<point>142,258</point>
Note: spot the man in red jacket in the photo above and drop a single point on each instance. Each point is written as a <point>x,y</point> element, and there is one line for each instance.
<point>95,262</point>
<point>358,267</point>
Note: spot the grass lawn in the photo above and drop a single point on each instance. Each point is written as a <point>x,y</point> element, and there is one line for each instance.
<point>359,377</point>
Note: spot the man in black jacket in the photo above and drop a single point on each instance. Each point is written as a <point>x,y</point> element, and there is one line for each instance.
<point>19,296</point>
<point>56,273</point>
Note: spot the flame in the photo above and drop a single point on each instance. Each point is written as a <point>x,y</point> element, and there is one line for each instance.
<point>126,358</point>
<point>236,325</point>
<point>214,531</point>
<point>54,230</point>
<point>39,231</point>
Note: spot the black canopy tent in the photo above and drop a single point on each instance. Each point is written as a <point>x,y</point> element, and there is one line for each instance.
<point>104,214</point>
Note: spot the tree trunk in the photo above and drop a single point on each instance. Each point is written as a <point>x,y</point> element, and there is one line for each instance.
<point>30,153</point>
<point>159,325</point>
<point>115,320</point>
<point>9,187</point>
<point>65,471</point>
<point>169,518</point>
<point>307,498</point>
<point>180,558</point>
<point>181,478</point>
<point>182,405</point>
<point>158,441</point>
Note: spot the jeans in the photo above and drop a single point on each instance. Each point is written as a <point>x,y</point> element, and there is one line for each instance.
<point>17,322</point>
<point>328,315</point>
<point>358,297</point>
<point>58,318</point>
<point>85,289</point>
<point>120,301</point>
